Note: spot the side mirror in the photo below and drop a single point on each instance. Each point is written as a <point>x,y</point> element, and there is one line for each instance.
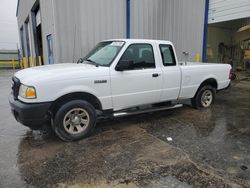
<point>124,65</point>
<point>80,60</point>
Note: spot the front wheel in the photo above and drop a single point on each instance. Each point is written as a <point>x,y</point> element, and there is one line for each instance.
<point>204,97</point>
<point>75,120</point>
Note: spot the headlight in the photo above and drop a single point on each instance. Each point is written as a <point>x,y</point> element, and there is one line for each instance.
<point>27,92</point>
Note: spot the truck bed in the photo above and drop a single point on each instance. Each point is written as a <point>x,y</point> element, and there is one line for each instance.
<point>193,73</point>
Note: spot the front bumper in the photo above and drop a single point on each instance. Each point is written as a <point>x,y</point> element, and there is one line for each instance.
<point>33,115</point>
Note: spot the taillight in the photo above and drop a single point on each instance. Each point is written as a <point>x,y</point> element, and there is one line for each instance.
<point>232,76</point>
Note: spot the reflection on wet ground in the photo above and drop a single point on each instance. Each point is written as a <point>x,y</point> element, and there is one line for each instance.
<point>209,148</point>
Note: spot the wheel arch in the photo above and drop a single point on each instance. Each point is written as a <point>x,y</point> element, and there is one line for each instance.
<point>209,81</point>
<point>92,99</point>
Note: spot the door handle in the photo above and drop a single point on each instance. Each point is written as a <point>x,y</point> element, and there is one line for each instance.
<point>155,75</point>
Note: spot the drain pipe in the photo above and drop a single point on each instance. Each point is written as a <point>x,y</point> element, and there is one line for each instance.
<point>204,53</point>
<point>128,19</point>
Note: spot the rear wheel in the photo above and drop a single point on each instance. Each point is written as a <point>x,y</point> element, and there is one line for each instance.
<point>204,97</point>
<point>75,120</point>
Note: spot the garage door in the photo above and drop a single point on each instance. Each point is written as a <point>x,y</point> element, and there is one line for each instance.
<point>225,10</point>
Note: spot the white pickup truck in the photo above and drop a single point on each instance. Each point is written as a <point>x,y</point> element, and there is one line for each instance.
<point>118,77</point>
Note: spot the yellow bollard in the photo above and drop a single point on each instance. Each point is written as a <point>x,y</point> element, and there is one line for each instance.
<point>198,58</point>
<point>30,62</point>
<point>21,63</point>
<point>39,60</point>
<point>24,63</point>
<point>34,60</point>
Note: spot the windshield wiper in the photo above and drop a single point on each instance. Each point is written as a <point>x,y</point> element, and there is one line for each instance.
<point>92,62</point>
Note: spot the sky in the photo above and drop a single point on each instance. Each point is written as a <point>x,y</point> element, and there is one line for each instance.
<point>8,25</point>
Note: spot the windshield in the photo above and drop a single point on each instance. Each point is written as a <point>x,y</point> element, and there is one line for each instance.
<point>104,53</point>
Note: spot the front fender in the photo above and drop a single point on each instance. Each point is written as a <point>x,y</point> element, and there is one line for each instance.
<point>75,89</point>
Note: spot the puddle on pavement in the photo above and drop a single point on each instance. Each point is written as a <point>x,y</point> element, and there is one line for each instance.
<point>127,155</point>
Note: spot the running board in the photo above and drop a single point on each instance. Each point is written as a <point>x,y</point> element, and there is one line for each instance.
<point>120,114</point>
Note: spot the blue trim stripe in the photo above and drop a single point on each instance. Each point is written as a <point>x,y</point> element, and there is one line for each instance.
<point>204,52</point>
<point>128,19</point>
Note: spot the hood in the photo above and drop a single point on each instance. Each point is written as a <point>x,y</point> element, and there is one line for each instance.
<point>59,72</point>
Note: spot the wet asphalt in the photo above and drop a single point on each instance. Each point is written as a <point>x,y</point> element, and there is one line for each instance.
<point>209,148</point>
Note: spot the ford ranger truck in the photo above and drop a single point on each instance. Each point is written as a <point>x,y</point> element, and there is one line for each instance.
<point>117,77</point>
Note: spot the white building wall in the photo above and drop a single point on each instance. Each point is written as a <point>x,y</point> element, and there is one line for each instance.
<point>80,25</point>
<point>24,14</point>
<point>48,27</point>
<point>225,10</point>
<point>77,25</point>
<point>179,21</point>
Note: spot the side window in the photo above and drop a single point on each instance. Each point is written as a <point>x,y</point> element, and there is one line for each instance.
<point>167,55</point>
<point>141,55</point>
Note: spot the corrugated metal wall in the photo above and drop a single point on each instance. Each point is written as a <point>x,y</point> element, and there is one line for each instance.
<point>76,26</point>
<point>47,20</point>
<point>24,10</point>
<point>24,13</point>
<point>179,21</point>
<point>79,25</point>
<point>225,10</point>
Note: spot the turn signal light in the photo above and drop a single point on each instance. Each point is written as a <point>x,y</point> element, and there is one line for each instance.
<point>30,93</point>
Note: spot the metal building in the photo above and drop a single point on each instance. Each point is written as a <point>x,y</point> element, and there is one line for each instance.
<point>58,31</point>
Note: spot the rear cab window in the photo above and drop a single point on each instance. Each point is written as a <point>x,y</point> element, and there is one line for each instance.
<point>167,55</point>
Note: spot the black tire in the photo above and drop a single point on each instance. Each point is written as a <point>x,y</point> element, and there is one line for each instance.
<point>59,124</point>
<point>197,102</point>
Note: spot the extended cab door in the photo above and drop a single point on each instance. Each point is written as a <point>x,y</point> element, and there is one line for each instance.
<point>171,73</point>
<point>141,83</point>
